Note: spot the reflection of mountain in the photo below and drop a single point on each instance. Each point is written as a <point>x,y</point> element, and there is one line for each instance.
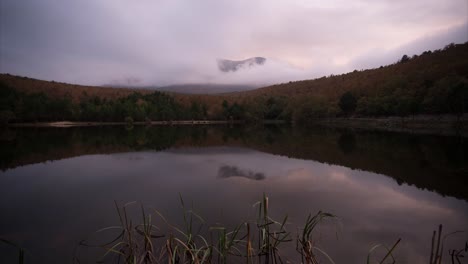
<point>233,171</point>
<point>433,162</point>
<point>232,66</point>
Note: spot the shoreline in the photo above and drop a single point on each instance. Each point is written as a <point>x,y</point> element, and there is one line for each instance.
<point>65,124</point>
<point>449,125</point>
<point>420,124</point>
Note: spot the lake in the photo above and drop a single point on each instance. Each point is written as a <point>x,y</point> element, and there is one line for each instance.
<point>58,185</point>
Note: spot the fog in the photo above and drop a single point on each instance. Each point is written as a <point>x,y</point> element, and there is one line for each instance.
<point>163,42</point>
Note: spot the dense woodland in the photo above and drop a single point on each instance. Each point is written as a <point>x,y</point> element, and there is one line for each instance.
<point>435,82</point>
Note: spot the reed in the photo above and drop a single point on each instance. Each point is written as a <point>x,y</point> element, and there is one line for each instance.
<point>305,242</point>
<point>388,253</point>
<point>271,234</point>
<point>257,241</point>
<point>437,249</point>
<point>20,250</point>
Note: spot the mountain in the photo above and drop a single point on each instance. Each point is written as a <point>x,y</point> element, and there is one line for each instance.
<point>232,66</point>
<point>205,88</point>
<point>191,88</point>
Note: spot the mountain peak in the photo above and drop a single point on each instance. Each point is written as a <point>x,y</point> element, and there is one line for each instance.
<point>232,65</point>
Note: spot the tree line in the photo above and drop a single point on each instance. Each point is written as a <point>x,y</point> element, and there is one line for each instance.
<point>17,107</point>
<point>39,107</point>
<point>449,95</point>
<point>431,83</point>
<point>395,97</point>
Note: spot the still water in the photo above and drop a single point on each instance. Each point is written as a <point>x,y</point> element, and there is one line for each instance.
<point>58,186</point>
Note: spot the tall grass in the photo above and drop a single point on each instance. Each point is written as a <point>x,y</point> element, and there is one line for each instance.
<point>437,248</point>
<point>20,250</point>
<point>259,241</point>
<point>305,243</point>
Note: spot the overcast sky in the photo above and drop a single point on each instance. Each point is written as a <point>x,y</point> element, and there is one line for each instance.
<point>159,42</point>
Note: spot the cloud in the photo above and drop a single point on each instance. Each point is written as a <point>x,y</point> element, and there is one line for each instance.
<point>161,42</point>
<point>437,40</point>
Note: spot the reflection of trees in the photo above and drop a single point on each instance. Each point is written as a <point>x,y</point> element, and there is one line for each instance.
<point>432,162</point>
<point>347,142</point>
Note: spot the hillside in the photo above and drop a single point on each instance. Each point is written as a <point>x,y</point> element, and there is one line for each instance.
<point>204,88</point>
<point>417,71</point>
<point>420,82</point>
<point>435,82</point>
<point>64,90</point>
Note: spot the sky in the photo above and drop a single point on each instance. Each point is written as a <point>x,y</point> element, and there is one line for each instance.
<point>164,42</point>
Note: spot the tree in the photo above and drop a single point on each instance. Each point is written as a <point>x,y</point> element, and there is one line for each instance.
<point>457,98</point>
<point>6,116</point>
<point>404,59</point>
<point>348,103</point>
<point>226,113</point>
<point>236,111</point>
<point>448,95</point>
<point>195,111</point>
<point>274,108</point>
<point>308,109</point>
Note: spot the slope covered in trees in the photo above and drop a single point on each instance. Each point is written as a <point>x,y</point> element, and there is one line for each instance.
<point>435,82</point>
<point>431,83</point>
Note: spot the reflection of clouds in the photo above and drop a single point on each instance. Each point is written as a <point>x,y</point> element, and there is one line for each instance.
<point>392,199</point>
<point>384,197</point>
<point>233,171</point>
<point>298,174</point>
<point>343,187</point>
<point>340,177</point>
<point>373,210</point>
<point>209,151</point>
<point>129,156</point>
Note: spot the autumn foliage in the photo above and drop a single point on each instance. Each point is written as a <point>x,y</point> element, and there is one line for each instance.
<point>434,82</point>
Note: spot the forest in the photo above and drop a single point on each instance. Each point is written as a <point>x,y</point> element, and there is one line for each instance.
<point>434,82</point>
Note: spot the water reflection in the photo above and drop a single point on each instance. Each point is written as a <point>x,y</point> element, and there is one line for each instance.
<point>432,162</point>
<point>347,142</point>
<point>49,221</point>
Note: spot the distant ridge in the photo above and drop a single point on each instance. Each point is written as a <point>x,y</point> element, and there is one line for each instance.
<point>205,88</point>
<point>232,66</point>
<point>210,88</point>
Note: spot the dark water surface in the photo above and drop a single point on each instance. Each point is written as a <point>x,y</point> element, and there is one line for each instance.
<point>58,186</point>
